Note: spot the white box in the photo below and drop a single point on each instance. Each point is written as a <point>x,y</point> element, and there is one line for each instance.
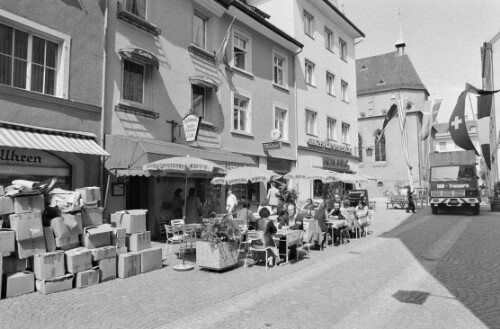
<point>107,269</point>
<point>49,286</point>
<point>103,253</point>
<point>27,225</point>
<point>134,221</point>
<point>87,278</point>
<point>151,259</point>
<point>19,283</point>
<point>90,194</point>
<point>78,259</point>
<point>139,241</point>
<point>23,204</point>
<point>49,265</point>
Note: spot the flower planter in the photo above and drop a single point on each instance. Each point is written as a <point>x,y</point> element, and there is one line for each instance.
<point>216,256</point>
<point>495,204</point>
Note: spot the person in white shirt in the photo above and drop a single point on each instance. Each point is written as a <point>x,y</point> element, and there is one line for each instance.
<point>231,201</point>
<point>272,196</point>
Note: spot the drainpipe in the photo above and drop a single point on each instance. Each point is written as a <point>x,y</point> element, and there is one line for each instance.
<point>103,89</point>
<point>294,56</point>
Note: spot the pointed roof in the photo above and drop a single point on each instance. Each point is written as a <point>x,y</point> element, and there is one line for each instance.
<point>397,71</point>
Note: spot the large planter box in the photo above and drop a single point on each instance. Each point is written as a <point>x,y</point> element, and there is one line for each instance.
<point>218,256</point>
<point>495,204</point>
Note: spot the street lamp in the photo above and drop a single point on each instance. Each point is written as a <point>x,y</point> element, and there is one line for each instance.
<point>369,151</point>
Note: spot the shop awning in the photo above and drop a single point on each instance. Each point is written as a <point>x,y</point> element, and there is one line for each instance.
<point>30,137</point>
<point>129,154</point>
<point>205,81</point>
<point>139,55</point>
<point>205,72</point>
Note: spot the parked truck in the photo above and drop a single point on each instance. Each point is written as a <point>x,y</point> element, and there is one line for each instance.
<point>454,181</point>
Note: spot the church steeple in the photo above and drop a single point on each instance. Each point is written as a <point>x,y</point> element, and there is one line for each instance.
<point>400,43</point>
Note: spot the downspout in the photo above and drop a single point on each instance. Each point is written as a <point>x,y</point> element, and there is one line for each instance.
<point>294,56</point>
<point>103,89</point>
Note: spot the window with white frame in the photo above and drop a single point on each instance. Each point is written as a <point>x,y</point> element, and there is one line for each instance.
<point>343,49</point>
<point>329,39</point>
<point>344,90</point>
<point>281,121</point>
<point>200,30</point>
<point>136,7</point>
<point>345,133</point>
<point>311,123</point>
<point>279,69</point>
<point>308,24</point>
<point>309,72</point>
<point>241,51</point>
<point>28,61</point>
<point>133,81</point>
<point>331,129</point>
<point>241,114</point>
<point>199,100</point>
<point>330,84</point>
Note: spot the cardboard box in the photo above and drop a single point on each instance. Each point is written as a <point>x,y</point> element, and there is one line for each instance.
<point>121,250</point>
<point>129,264</point>
<point>13,264</point>
<point>92,216</point>
<point>139,241</point>
<point>49,265</point>
<point>151,259</point>
<point>134,221</point>
<point>90,194</point>
<point>6,205</point>
<point>49,286</point>
<point>50,242</point>
<point>7,240</point>
<point>19,283</point>
<point>31,203</point>
<point>73,222</point>
<point>30,247</point>
<point>87,278</point>
<point>78,260</point>
<point>97,236</point>
<point>103,253</point>
<point>107,269</point>
<point>119,237</point>
<point>67,230</point>
<point>27,225</point>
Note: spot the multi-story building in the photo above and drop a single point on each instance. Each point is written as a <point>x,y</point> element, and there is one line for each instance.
<point>381,81</point>
<point>166,59</point>
<point>50,91</point>
<point>325,82</point>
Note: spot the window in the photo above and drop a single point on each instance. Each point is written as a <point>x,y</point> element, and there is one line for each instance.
<point>328,39</point>
<point>241,114</point>
<point>379,146</point>
<point>133,81</point>
<point>241,51</point>
<point>281,122</point>
<point>136,7</point>
<point>331,129</point>
<point>279,69</point>
<point>308,24</point>
<point>28,61</point>
<point>311,127</point>
<point>442,146</point>
<point>309,70</point>
<point>330,86</point>
<point>318,188</point>
<point>198,100</point>
<point>344,91</point>
<point>343,49</point>
<point>199,30</point>
<point>345,133</point>
<point>360,148</point>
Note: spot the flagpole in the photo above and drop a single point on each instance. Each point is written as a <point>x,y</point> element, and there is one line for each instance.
<point>226,35</point>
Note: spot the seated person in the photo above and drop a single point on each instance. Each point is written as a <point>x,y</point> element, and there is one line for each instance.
<point>309,207</point>
<point>291,218</point>
<point>265,204</point>
<point>267,225</point>
<point>361,213</point>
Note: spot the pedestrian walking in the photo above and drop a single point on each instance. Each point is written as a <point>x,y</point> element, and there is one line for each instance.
<point>272,196</point>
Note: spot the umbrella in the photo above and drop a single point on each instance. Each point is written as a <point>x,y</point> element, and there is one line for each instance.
<point>243,175</point>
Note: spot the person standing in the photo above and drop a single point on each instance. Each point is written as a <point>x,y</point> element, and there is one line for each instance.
<point>193,207</point>
<point>272,196</point>
<point>177,204</point>
<point>411,203</point>
<point>231,201</point>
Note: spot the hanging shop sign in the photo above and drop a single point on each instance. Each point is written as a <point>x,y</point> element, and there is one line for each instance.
<point>191,125</point>
<point>329,145</point>
<point>271,145</point>
<point>335,163</point>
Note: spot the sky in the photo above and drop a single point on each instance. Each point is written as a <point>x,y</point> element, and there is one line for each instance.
<point>443,39</point>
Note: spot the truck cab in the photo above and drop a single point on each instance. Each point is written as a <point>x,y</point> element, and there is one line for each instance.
<point>454,181</point>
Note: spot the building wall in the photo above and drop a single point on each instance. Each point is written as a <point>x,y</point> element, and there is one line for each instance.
<point>495,116</point>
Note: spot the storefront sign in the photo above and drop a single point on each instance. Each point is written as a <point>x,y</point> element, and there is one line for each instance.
<point>314,142</point>
<point>330,162</point>
<point>271,145</point>
<point>280,166</point>
<point>191,125</point>
<point>19,157</point>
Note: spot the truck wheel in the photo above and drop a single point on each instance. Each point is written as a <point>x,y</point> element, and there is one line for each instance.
<point>434,210</point>
<point>475,210</point>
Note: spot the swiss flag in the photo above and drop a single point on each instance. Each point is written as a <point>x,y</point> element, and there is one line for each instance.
<point>457,126</point>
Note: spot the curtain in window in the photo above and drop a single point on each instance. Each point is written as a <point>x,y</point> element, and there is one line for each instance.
<point>380,147</point>
<point>136,7</point>
<point>133,81</point>
<point>199,31</point>
<point>198,101</point>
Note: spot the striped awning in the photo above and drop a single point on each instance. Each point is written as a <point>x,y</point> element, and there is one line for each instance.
<point>13,135</point>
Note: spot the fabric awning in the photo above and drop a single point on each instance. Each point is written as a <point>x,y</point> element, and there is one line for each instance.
<point>140,56</point>
<point>130,154</point>
<point>205,81</point>
<point>30,137</point>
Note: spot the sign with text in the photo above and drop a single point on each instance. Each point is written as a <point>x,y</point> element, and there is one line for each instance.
<point>326,144</point>
<point>330,162</point>
<point>191,125</point>
<point>271,145</point>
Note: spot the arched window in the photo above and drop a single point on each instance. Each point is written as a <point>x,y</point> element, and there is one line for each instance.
<point>380,184</point>
<point>379,146</point>
<point>360,148</point>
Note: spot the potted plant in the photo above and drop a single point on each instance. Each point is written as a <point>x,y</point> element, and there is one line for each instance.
<point>218,247</point>
<point>495,199</point>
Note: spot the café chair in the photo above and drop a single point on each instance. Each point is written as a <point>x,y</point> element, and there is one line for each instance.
<point>244,242</point>
<point>177,222</point>
<point>304,245</point>
<point>162,221</point>
<point>344,234</point>
<point>173,236</point>
<point>257,236</point>
<point>189,236</point>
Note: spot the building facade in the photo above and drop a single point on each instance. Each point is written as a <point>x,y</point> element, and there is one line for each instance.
<point>168,59</point>
<point>51,92</point>
<point>325,82</point>
<point>382,80</point>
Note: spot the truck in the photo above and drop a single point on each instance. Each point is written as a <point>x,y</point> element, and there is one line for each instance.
<point>453,181</point>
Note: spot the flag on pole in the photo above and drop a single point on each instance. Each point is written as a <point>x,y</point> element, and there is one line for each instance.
<point>393,111</point>
<point>429,118</point>
<point>221,54</point>
<point>404,134</point>
<point>457,126</point>
<point>484,103</point>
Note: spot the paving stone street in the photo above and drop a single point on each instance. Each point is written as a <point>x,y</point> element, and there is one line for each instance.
<point>416,271</point>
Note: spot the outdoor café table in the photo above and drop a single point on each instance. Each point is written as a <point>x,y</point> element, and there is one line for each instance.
<point>289,238</point>
<point>336,224</point>
<point>313,232</point>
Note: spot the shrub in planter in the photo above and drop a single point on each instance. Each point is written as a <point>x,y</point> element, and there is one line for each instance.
<point>495,200</point>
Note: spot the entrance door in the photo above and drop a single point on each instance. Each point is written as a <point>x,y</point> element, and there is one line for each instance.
<point>137,193</point>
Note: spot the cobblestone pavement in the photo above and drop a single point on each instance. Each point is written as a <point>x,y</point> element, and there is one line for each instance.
<point>418,271</point>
